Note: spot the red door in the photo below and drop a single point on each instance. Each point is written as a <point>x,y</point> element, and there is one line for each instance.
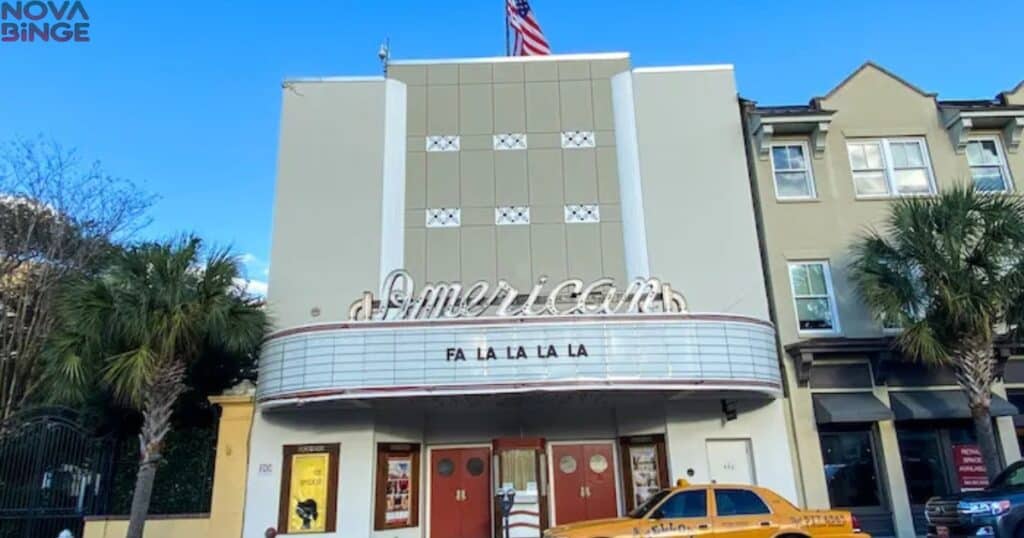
<point>600,481</point>
<point>584,482</point>
<point>460,493</point>
<point>477,495</point>
<point>570,500</point>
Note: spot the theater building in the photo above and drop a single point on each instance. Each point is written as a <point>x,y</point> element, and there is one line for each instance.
<point>874,433</point>
<point>528,275</point>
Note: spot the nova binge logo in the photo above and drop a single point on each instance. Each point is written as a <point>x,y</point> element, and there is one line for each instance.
<point>43,21</point>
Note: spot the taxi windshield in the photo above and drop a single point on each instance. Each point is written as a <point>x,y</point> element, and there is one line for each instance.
<point>647,505</point>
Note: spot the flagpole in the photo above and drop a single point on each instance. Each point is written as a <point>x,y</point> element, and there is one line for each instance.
<point>508,51</point>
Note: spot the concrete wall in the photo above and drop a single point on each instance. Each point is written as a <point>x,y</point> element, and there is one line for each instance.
<point>353,429</point>
<point>696,201</point>
<point>539,97</point>
<point>328,204</point>
<point>691,423</point>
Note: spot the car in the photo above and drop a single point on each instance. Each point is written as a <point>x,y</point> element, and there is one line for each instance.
<point>997,510</point>
<point>716,511</point>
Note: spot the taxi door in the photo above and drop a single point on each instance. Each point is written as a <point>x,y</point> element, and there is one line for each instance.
<point>683,513</point>
<point>742,513</point>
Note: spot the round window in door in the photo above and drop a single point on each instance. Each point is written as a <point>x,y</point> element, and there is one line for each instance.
<point>567,464</point>
<point>445,467</point>
<point>475,466</point>
<point>598,463</point>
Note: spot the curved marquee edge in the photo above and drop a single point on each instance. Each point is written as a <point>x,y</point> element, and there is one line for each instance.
<point>371,360</point>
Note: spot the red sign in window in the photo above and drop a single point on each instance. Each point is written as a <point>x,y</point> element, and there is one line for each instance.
<point>970,467</point>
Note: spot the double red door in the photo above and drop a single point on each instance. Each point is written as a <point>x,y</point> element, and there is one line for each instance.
<point>460,493</point>
<point>584,482</point>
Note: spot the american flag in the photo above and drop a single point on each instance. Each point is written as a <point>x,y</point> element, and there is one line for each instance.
<point>530,40</point>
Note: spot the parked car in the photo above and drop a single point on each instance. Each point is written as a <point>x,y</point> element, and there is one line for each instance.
<point>716,510</point>
<point>997,510</point>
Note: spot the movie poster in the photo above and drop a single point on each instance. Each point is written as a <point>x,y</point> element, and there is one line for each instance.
<point>398,496</point>
<point>308,491</point>
<point>643,463</point>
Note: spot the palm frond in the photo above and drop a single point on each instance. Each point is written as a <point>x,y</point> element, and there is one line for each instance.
<point>949,268</point>
<point>157,304</point>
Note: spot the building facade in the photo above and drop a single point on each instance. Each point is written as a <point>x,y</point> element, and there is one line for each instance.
<point>872,432</point>
<point>530,276</point>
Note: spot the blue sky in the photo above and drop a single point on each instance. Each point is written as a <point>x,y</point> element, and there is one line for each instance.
<point>184,96</point>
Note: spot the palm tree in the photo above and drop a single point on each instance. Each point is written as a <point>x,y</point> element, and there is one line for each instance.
<point>949,271</point>
<point>135,329</point>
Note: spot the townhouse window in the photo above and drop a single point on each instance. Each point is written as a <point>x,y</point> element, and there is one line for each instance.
<point>890,167</point>
<point>813,297</point>
<point>988,165</point>
<point>792,172</point>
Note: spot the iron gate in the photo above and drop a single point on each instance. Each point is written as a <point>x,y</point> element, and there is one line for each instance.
<point>53,472</point>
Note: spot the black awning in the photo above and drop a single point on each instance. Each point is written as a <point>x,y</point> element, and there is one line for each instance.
<point>849,407</point>
<point>937,404</point>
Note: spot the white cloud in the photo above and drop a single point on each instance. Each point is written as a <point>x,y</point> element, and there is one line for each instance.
<point>255,287</point>
<point>249,258</point>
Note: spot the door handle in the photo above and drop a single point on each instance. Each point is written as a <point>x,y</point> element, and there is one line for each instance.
<point>588,491</point>
<point>766,523</point>
<point>703,526</point>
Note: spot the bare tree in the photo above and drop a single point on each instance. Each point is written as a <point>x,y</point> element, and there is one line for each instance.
<point>58,218</point>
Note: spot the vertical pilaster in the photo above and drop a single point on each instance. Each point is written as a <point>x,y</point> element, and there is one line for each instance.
<point>1006,432</point>
<point>805,430</point>
<point>892,469</point>
<point>228,500</point>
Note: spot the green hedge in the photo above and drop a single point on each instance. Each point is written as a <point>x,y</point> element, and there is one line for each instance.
<point>184,480</point>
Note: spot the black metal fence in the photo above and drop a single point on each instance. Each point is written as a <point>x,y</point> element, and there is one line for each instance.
<point>53,471</point>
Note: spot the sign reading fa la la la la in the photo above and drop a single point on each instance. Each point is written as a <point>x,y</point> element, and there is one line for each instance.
<point>400,300</point>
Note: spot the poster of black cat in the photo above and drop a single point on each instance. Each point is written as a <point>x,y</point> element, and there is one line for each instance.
<point>516,352</point>
<point>38,21</point>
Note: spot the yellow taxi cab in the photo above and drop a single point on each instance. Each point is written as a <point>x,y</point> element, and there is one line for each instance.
<point>716,511</point>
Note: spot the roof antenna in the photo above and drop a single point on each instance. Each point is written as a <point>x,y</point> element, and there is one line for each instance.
<point>384,54</point>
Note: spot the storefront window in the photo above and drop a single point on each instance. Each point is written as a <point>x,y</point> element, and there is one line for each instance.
<point>850,469</point>
<point>519,469</point>
<point>924,467</point>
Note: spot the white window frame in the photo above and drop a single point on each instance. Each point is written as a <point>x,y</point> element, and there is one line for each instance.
<point>812,190</point>
<point>1003,165</point>
<point>830,295</point>
<point>888,169</point>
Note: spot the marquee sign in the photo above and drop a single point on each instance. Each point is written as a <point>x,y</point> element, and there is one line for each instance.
<point>379,359</point>
<point>399,299</point>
